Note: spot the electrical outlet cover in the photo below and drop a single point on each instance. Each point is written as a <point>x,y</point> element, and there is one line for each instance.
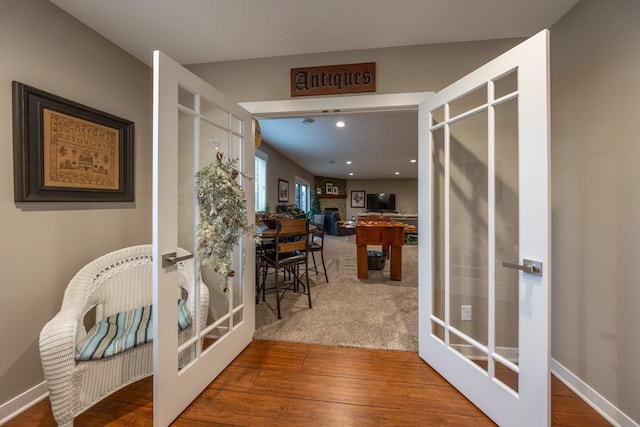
<point>466,312</point>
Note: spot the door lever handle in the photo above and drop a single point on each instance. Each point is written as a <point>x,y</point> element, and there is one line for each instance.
<point>528,266</point>
<point>173,258</point>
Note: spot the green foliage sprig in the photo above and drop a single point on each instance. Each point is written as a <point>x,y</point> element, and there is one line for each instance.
<point>223,214</point>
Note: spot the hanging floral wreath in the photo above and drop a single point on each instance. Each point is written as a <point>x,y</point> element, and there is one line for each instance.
<point>223,214</point>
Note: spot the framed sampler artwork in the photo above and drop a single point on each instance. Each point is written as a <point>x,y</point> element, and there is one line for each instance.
<point>65,151</point>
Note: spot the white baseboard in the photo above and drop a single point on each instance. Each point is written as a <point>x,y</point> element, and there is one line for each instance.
<point>21,403</point>
<point>591,397</point>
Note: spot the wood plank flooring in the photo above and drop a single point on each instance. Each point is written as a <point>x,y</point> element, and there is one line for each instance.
<point>287,384</point>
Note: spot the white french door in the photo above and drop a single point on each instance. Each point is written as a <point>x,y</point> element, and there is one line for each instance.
<point>192,123</point>
<point>484,257</point>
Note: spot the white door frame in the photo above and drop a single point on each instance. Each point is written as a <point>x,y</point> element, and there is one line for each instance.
<point>346,104</point>
<point>408,101</point>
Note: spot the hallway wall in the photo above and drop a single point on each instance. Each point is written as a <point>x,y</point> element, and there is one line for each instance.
<point>45,243</point>
<point>595,149</point>
<point>398,69</point>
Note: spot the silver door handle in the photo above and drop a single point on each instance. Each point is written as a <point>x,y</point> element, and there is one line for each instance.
<point>173,258</point>
<point>528,266</point>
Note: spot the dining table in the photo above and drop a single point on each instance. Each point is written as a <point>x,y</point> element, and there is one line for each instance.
<point>265,232</point>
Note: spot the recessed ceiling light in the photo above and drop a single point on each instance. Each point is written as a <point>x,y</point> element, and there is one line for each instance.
<point>397,173</point>
<point>341,124</point>
<point>348,162</point>
<point>351,173</point>
<point>413,160</point>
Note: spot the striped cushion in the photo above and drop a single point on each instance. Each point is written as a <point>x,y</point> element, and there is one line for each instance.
<point>123,331</point>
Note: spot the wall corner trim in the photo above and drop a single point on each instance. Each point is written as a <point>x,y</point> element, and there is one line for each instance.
<point>594,399</point>
<point>22,402</point>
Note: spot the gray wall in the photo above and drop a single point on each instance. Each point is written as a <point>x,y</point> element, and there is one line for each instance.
<point>406,191</point>
<point>596,203</point>
<point>400,69</point>
<point>45,244</point>
<point>280,167</point>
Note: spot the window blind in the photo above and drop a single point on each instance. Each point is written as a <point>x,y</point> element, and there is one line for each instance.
<point>261,184</point>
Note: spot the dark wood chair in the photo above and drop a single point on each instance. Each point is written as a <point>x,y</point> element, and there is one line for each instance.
<point>316,244</point>
<point>259,268</point>
<point>290,255</point>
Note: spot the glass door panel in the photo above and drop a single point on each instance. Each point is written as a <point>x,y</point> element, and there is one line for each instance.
<point>217,143</point>
<point>437,116</point>
<point>212,113</point>
<point>506,235</point>
<point>469,101</point>
<point>505,85</point>
<point>468,226</point>
<point>470,281</point>
<point>187,271</point>
<point>437,231</point>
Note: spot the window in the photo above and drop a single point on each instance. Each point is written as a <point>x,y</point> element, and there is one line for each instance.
<point>302,194</point>
<point>261,181</point>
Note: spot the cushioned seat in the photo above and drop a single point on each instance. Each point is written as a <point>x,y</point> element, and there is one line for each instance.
<point>334,226</point>
<point>115,283</point>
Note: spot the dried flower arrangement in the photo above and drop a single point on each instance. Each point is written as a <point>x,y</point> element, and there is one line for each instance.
<point>223,214</point>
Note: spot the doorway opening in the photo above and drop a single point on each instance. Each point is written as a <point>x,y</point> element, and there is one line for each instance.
<point>342,262</point>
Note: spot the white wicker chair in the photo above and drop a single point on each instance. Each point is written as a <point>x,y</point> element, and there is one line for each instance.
<point>115,282</point>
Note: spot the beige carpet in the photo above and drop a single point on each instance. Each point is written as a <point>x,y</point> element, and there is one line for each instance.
<point>374,313</point>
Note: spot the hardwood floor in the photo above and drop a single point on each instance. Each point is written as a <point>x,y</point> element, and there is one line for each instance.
<point>275,384</point>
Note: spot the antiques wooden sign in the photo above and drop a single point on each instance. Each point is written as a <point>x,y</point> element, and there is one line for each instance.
<point>333,79</point>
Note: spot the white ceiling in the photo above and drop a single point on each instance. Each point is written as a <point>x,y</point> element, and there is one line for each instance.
<point>198,31</point>
<point>378,144</point>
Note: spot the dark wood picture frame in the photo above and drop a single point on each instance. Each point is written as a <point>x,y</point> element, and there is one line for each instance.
<point>283,190</point>
<point>67,152</point>
<point>357,199</point>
